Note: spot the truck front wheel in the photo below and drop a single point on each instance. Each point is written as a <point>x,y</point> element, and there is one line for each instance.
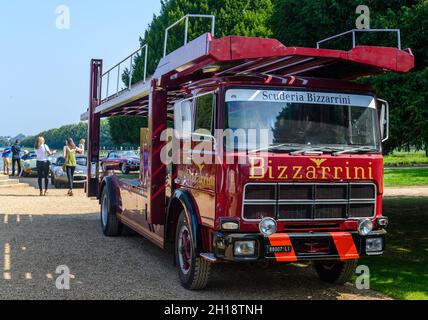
<point>193,271</point>
<point>110,224</point>
<point>336,272</point>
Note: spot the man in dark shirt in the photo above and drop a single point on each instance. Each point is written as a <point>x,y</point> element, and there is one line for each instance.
<point>16,157</point>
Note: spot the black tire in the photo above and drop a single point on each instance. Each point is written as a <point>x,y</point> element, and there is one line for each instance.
<point>336,272</point>
<point>127,231</point>
<point>110,224</point>
<point>57,185</point>
<point>124,169</point>
<point>52,179</point>
<point>196,275</point>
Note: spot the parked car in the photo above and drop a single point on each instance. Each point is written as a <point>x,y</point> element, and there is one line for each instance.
<point>125,161</point>
<point>29,164</point>
<point>59,176</point>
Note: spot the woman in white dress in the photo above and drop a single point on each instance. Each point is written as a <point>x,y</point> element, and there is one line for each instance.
<point>43,152</point>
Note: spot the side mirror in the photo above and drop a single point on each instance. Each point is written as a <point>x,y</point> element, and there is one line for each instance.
<point>384,119</point>
<point>183,116</point>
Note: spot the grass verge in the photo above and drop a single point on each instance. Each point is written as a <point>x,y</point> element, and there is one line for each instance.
<point>398,158</point>
<point>402,272</point>
<point>406,177</point>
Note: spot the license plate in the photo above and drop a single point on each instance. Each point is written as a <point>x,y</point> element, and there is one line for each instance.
<point>278,249</point>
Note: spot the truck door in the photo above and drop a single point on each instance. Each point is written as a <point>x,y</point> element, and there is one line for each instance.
<point>197,171</point>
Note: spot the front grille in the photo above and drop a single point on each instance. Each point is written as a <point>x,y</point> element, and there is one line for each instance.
<point>295,211</point>
<point>330,211</point>
<point>309,201</point>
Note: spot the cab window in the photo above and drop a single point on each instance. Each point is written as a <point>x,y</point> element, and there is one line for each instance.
<point>204,113</point>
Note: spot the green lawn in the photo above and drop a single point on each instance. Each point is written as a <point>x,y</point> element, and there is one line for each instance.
<point>402,272</point>
<point>406,177</point>
<point>398,158</point>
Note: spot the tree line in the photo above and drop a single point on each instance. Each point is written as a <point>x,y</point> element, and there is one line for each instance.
<point>55,138</point>
<point>233,17</point>
<point>303,23</point>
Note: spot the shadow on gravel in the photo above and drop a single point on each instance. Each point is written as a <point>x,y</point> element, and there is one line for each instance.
<point>32,247</point>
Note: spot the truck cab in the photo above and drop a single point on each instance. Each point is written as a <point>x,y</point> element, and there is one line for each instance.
<point>283,169</point>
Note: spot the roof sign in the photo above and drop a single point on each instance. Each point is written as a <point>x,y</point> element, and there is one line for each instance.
<point>304,97</point>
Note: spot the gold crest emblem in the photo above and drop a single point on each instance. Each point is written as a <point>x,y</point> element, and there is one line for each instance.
<point>318,162</point>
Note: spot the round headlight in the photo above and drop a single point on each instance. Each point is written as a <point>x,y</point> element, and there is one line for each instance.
<point>267,226</point>
<point>365,226</point>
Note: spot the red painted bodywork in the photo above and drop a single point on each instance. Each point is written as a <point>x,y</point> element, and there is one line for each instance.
<point>92,187</point>
<point>208,64</point>
<point>224,200</point>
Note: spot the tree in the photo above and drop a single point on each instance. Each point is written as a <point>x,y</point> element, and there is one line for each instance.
<point>304,22</point>
<point>55,138</point>
<point>127,130</point>
<point>407,94</point>
<point>233,17</point>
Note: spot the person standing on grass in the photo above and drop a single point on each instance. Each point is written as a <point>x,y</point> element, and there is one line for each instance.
<point>6,160</point>
<point>43,152</point>
<point>69,152</point>
<point>16,157</point>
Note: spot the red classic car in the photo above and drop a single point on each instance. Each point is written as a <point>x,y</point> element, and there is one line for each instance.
<point>125,161</point>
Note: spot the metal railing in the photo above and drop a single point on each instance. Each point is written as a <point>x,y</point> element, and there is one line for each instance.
<point>129,59</point>
<point>186,31</point>
<point>354,31</point>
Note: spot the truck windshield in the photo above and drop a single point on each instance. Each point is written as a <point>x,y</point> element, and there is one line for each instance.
<point>300,121</point>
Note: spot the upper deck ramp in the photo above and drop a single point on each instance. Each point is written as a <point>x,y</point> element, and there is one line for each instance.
<point>206,57</point>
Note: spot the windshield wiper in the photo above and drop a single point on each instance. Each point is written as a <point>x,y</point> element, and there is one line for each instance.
<point>279,147</point>
<point>356,150</point>
<point>316,150</point>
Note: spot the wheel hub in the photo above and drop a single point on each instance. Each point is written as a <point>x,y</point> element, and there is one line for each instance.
<point>104,212</point>
<point>184,250</point>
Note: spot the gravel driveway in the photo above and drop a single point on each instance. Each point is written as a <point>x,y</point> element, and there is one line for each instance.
<point>37,234</point>
<point>406,192</point>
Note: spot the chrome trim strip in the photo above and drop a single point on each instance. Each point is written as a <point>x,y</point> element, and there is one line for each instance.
<point>313,202</point>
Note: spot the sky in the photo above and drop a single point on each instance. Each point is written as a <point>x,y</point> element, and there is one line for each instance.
<point>44,60</point>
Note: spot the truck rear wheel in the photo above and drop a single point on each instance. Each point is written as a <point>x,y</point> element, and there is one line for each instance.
<point>336,272</point>
<point>110,224</point>
<point>193,271</point>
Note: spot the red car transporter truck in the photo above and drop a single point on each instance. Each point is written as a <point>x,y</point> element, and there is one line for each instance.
<point>312,192</point>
